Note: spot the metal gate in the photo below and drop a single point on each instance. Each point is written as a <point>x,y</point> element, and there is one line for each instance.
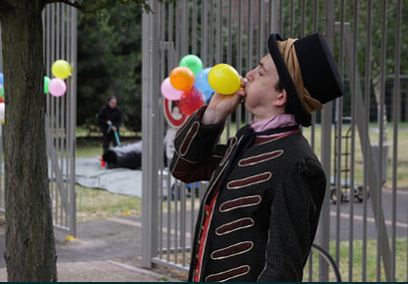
<point>60,36</point>
<point>364,220</point>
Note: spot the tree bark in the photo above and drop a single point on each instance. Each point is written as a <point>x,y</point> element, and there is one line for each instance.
<point>30,246</point>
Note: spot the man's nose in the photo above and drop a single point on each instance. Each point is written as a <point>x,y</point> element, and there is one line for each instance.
<point>249,75</point>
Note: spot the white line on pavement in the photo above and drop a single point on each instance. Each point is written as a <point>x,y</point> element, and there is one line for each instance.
<point>369,219</point>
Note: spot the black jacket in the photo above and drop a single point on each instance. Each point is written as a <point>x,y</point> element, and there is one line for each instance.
<point>106,113</point>
<point>268,204</point>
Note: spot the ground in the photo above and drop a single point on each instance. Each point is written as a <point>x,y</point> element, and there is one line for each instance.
<point>108,245</point>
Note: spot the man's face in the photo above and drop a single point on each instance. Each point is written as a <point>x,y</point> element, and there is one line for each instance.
<point>261,86</point>
<point>113,103</point>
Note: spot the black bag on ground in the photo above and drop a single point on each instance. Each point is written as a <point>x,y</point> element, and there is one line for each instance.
<point>124,156</point>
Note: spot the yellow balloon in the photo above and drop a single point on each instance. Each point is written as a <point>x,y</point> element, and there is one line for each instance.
<point>224,79</point>
<point>61,69</point>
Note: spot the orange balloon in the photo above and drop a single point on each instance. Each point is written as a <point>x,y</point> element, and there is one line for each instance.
<point>181,78</point>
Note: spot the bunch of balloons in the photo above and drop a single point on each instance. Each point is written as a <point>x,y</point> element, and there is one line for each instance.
<point>61,70</point>
<point>191,85</point>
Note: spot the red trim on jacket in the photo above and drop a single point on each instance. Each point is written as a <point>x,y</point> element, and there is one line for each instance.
<point>209,209</point>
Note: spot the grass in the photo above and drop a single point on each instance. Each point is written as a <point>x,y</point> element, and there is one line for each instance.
<point>83,131</point>
<point>99,204</point>
<point>371,257</point>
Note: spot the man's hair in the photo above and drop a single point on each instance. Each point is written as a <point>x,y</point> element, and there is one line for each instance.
<point>111,98</point>
<point>279,87</point>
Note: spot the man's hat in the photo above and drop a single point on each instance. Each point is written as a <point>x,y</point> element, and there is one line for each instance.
<point>307,72</point>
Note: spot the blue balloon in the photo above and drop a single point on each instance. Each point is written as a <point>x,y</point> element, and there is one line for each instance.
<point>207,96</point>
<point>1,79</point>
<point>201,84</point>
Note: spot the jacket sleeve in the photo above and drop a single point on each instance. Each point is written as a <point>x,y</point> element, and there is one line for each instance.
<point>196,154</point>
<point>102,120</point>
<point>118,118</point>
<point>293,222</point>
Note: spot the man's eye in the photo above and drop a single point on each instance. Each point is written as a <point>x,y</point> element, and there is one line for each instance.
<point>260,74</point>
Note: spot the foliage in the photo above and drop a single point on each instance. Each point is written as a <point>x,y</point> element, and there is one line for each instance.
<point>109,61</point>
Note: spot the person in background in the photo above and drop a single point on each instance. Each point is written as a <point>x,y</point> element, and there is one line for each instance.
<point>109,120</point>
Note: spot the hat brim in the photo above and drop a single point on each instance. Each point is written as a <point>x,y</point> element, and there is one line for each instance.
<point>294,105</point>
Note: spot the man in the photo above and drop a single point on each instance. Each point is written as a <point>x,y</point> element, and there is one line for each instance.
<point>260,213</point>
<point>109,119</point>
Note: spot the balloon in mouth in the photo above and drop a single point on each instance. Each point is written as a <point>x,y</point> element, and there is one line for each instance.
<point>224,79</point>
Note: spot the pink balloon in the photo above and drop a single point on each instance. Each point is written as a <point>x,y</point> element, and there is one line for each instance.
<point>169,92</point>
<point>191,101</point>
<point>57,87</point>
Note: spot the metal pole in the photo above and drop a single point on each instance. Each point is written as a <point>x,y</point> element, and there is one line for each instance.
<point>352,156</point>
<point>395,122</point>
<point>73,118</point>
<point>324,230</point>
<point>149,127</point>
<point>381,136</point>
<point>365,140</point>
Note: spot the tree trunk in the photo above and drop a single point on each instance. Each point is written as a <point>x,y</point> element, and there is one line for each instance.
<point>30,245</point>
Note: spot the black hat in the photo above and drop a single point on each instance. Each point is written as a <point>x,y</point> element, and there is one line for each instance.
<point>318,71</point>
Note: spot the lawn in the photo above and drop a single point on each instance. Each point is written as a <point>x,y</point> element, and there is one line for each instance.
<point>99,204</point>
<point>371,257</point>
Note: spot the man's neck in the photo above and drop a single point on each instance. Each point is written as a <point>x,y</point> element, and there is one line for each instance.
<point>266,115</point>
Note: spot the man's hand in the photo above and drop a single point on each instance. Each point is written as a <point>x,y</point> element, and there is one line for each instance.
<point>221,106</point>
<point>114,128</point>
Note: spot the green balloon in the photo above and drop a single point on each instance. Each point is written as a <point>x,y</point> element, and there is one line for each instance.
<point>192,62</point>
<point>46,84</point>
<point>1,91</point>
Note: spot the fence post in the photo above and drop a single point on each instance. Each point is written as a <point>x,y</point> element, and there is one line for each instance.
<point>150,127</point>
<point>327,112</point>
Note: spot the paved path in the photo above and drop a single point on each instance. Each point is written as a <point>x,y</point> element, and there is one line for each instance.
<point>102,252</point>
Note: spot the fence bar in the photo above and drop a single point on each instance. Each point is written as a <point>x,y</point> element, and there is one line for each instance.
<point>365,142</point>
<point>149,128</point>
<point>338,142</point>
<point>73,119</point>
<point>325,155</point>
<point>395,120</point>
<point>353,141</point>
<point>382,134</point>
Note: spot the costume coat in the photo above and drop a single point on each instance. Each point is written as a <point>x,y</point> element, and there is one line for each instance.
<point>268,198</point>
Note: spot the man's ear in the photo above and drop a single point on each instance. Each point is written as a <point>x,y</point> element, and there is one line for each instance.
<point>281,99</point>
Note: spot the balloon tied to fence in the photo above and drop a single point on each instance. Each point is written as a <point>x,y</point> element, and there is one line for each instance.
<point>191,85</point>
<point>56,86</point>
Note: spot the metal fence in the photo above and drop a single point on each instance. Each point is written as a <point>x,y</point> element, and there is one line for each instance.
<point>359,138</point>
<point>60,41</point>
